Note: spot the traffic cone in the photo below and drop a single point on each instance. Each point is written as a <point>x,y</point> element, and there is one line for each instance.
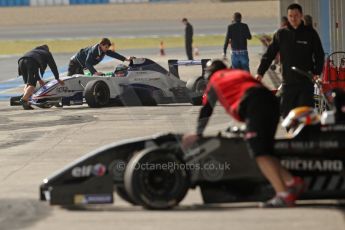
<point>196,51</point>
<point>161,49</point>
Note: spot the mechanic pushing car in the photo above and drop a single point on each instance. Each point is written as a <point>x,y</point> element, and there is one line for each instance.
<point>247,100</point>
<point>88,57</point>
<point>30,66</point>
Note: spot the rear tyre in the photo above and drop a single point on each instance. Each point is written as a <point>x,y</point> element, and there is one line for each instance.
<point>14,101</point>
<point>200,85</point>
<point>197,85</point>
<point>150,181</point>
<point>196,100</point>
<point>97,94</point>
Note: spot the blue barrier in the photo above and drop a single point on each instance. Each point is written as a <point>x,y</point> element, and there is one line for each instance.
<point>78,2</point>
<point>9,3</point>
<point>14,3</point>
<point>163,0</point>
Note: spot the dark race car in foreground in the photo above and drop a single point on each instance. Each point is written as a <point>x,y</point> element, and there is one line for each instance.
<point>156,173</point>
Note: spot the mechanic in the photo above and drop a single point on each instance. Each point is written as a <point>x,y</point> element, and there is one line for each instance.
<point>30,66</point>
<point>188,38</point>
<point>88,57</point>
<point>299,46</point>
<point>237,35</point>
<point>247,100</point>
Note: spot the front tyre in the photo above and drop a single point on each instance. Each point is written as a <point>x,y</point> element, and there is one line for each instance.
<point>121,192</point>
<point>97,94</point>
<point>156,179</point>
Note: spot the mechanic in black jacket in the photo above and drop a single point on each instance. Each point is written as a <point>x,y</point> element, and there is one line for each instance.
<point>188,38</point>
<point>299,46</point>
<point>30,66</point>
<point>88,57</point>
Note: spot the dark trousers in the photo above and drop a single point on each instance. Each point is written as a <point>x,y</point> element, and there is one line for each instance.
<point>189,50</point>
<point>260,110</point>
<point>74,68</point>
<point>295,96</point>
<point>29,69</point>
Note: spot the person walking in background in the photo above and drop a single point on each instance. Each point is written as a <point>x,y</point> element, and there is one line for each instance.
<point>299,46</point>
<point>308,20</point>
<point>31,66</point>
<point>188,38</point>
<point>237,35</point>
<point>284,22</point>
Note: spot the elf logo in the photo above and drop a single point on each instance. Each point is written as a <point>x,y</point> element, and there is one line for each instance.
<point>89,170</point>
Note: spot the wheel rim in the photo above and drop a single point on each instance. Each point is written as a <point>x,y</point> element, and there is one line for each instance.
<point>162,185</point>
<point>101,94</point>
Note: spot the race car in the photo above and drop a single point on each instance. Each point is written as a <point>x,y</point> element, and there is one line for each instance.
<point>143,82</point>
<point>156,172</point>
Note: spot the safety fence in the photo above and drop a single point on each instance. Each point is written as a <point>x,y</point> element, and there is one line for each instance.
<point>10,3</point>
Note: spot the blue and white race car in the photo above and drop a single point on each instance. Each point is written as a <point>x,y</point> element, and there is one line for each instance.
<point>143,82</point>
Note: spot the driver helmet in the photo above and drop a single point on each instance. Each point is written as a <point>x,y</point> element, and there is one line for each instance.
<point>304,116</point>
<point>213,66</point>
<point>121,70</point>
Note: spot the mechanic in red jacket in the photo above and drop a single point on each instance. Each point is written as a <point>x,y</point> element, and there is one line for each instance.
<point>247,100</point>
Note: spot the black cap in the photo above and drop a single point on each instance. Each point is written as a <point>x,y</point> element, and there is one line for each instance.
<point>213,66</point>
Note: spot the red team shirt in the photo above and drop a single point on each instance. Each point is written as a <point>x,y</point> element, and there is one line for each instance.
<point>230,86</point>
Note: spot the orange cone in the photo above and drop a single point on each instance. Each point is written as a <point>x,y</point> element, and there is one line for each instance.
<point>196,51</point>
<point>161,49</point>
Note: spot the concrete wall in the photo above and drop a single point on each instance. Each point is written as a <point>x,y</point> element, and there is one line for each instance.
<point>337,25</point>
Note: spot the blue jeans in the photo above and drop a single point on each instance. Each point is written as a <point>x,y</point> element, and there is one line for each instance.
<point>240,60</point>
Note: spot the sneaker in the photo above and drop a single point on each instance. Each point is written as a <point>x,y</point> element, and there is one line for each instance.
<point>279,202</point>
<point>26,105</point>
<point>296,187</point>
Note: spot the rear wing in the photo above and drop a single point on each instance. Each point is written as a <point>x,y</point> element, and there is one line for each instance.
<point>174,64</point>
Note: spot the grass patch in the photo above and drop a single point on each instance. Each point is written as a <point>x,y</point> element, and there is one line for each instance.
<point>72,46</point>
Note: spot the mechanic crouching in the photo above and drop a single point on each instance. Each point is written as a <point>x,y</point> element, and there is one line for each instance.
<point>88,57</point>
<point>247,100</point>
<point>30,66</point>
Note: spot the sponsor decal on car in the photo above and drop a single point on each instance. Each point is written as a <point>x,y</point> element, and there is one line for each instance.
<point>304,145</point>
<point>89,170</point>
<point>93,198</point>
<point>313,165</point>
<point>62,89</point>
<point>338,127</point>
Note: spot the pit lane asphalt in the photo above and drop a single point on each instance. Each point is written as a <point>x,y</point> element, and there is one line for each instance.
<point>37,143</point>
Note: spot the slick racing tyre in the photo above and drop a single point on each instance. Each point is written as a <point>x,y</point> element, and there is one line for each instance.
<point>198,86</point>
<point>97,94</point>
<point>152,183</point>
<point>14,101</point>
<point>196,100</point>
<point>123,194</point>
